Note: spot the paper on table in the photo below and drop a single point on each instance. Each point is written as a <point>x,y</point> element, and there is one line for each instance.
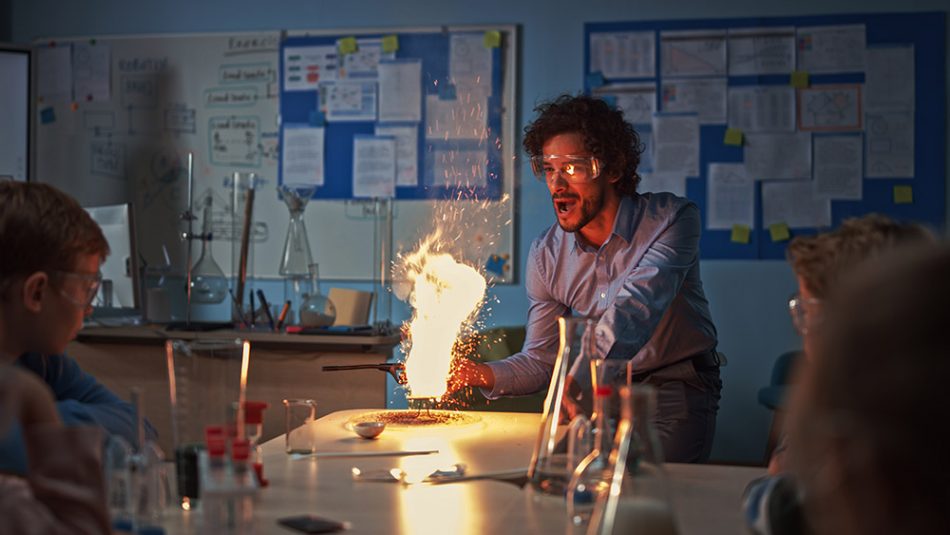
<point>889,82</point>
<point>792,203</point>
<point>396,453</point>
<point>400,90</point>
<point>623,54</point>
<point>636,100</point>
<point>889,144</point>
<point>762,108</point>
<point>756,51</point>
<point>824,49</point>
<point>456,119</point>
<point>364,62</point>
<point>470,63</point>
<point>674,183</point>
<point>306,66</point>
<point>676,144</point>
<point>407,152</point>
<point>302,157</point>
<point>54,73</point>
<point>693,53</point>
<point>730,196</point>
<point>837,172</point>
<point>92,71</point>
<point>458,167</point>
<point>830,107</point>
<point>704,96</point>
<point>348,101</point>
<point>778,156</point>
<point>374,166</point>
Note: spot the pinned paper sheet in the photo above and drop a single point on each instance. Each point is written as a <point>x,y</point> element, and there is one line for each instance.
<point>47,115</point>
<point>348,45</point>
<point>779,232</point>
<point>733,137</point>
<point>390,43</point>
<point>740,234</point>
<point>903,195</point>
<point>799,79</point>
<point>492,39</point>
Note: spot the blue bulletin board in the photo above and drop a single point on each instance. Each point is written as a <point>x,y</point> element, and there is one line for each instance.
<point>915,194</point>
<point>450,164</point>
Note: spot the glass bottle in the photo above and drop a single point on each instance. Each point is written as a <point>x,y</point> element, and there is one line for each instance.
<point>316,310</point>
<point>637,498</point>
<point>550,469</point>
<point>208,284</point>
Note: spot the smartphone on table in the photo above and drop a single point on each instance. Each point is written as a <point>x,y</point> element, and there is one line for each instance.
<point>312,524</point>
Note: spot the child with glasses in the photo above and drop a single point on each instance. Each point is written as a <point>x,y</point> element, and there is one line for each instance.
<point>49,275</point>
<point>821,263</point>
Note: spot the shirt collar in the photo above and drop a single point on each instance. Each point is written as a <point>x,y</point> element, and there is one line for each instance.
<point>623,224</point>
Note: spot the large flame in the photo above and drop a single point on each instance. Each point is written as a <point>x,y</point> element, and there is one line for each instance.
<point>446,296</point>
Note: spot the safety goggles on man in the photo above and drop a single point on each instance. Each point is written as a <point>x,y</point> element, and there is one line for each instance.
<point>78,288</point>
<point>806,313</point>
<point>574,169</point>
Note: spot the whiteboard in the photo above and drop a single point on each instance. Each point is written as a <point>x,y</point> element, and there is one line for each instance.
<point>216,96</point>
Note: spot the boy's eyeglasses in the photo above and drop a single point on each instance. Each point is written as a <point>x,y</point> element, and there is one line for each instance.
<point>574,169</point>
<point>805,313</point>
<point>86,284</point>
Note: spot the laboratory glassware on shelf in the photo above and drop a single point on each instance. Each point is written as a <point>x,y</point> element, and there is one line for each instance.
<point>296,259</point>
<point>208,283</point>
<point>316,310</point>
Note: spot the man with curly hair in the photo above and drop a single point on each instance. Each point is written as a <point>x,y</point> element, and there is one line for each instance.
<point>629,259</point>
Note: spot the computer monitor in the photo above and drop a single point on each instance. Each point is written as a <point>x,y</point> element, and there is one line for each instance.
<point>121,266</point>
<point>14,112</point>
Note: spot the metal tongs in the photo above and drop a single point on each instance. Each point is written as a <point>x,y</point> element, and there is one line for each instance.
<point>396,369</point>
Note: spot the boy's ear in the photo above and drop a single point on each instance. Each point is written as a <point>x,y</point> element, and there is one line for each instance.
<point>33,288</point>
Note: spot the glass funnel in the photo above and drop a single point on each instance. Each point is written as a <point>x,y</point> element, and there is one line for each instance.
<point>208,283</point>
<point>296,259</point>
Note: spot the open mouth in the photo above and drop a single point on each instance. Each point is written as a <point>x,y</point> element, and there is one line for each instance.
<point>564,205</point>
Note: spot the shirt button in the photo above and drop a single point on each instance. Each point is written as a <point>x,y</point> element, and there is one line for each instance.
<point>603,295</point>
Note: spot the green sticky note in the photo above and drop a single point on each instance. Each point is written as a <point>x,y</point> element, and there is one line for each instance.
<point>348,45</point>
<point>733,137</point>
<point>492,39</point>
<point>740,234</point>
<point>779,232</point>
<point>903,195</point>
<point>390,43</point>
<point>799,79</point>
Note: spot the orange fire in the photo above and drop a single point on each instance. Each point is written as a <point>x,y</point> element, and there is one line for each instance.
<point>446,296</point>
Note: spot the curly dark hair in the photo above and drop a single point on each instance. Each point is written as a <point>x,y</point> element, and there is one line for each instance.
<point>607,135</point>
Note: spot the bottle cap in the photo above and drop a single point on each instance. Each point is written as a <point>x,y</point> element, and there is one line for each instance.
<point>240,450</point>
<point>254,411</point>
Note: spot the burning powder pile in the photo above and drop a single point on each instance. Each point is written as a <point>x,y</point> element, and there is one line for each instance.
<point>415,418</point>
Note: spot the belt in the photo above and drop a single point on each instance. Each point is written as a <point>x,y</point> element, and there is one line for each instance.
<point>705,361</point>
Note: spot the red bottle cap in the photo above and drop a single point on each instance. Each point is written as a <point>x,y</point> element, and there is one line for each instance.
<point>240,450</point>
<point>254,411</point>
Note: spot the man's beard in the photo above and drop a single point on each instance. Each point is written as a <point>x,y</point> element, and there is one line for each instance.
<point>587,211</point>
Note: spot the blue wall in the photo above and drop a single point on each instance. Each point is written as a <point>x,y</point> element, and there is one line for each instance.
<point>747,298</point>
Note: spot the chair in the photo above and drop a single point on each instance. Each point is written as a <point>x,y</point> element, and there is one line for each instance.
<point>773,396</point>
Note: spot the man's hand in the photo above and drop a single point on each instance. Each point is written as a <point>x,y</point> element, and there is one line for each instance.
<point>469,373</point>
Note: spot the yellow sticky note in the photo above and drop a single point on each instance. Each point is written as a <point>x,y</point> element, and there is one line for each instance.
<point>903,195</point>
<point>779,232</point>
<point>733,137</point>
<point>740,234</point>
<point>799,79</point>
<point>390,43</point>
<point>492,39</point>
<point>348,45</point>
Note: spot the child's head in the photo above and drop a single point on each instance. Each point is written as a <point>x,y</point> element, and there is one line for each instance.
<point>823,261</point>
<point>867,423</point>
<point>50,252</point>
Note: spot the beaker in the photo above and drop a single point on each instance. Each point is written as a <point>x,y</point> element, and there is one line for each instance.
<point>637,499</point>
<point>550,469</point>
<point>316,310</point>
<point>208,284</point>
<point>243,189</point>
<point>205,377</point>
<point>298,414</point>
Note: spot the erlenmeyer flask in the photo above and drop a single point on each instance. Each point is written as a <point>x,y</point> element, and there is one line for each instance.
<point>208,284</point>
<point>550,468</point>
<point>296,259</point>
<point>637,499</point>
<point>316,310</point>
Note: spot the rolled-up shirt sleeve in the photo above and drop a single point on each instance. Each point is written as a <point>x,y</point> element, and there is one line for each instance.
<point>649,289</point>
<point>529,370</point>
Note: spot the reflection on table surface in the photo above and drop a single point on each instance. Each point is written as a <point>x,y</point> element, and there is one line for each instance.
<point>706,497</point>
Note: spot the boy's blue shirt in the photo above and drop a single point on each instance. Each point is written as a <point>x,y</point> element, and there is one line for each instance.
<point>80,400</point>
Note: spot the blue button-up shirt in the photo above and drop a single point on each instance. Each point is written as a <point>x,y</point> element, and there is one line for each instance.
<point>643,283</point>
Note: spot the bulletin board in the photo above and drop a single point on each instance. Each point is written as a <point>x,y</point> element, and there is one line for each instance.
<point>840,89</point>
